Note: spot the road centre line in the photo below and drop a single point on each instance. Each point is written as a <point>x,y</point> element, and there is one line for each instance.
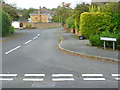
<point>94,79</point>
<point>8,75</point>
<point>28,41</point>
<point>60,75</point>
<point>42,75</point>
<point>92,74</point>
<point>12,50</point>
<point>35,37</point>
<point>63,79</point>
<point>32,79</point>
<point>38,35</point>
<point>6,79</point>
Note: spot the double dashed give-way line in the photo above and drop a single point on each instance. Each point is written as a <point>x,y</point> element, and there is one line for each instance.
<point>11,77</point>
<point>20,45</point>
<point>56,77</point>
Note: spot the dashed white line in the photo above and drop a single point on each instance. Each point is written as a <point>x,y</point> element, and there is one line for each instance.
<point>42,75</point>
<point>32,79</point>
<point>60,75</point>
<point>63,79</point>
<point>12,50</point>
<point>38,35</point>
<point>6,79</point>
<point>94,79</point>
<point>92,74</point>
<point>28,41</point>
<point>115,75</point>
<point>35,37</point>
<point>8,75</point>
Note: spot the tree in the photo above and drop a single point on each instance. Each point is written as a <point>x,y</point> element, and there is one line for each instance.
<point>79,9</point>
<point>62,13</point>
<point>6,23</point>
<point>26,12</point>
<point>11,10</point>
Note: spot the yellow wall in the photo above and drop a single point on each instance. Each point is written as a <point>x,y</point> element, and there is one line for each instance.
<point>36,18</point>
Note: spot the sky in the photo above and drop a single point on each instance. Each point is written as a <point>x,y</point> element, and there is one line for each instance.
<point>43,3</point>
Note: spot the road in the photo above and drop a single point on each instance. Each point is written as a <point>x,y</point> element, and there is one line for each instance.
<point>33,61</point>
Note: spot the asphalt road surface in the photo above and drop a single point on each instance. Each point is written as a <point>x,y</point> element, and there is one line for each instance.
<point>33,61</point>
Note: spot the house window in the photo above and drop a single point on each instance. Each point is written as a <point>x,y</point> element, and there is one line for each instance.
<point>36,18</point>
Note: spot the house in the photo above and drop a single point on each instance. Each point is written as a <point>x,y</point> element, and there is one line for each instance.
<point>98,2</point>
<point>21,23</point>
<point>41,15</point>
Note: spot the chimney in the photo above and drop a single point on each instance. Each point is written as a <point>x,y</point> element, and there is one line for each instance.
<point>39,10</point>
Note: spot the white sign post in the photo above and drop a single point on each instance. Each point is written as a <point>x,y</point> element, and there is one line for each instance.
<point>109,39</point>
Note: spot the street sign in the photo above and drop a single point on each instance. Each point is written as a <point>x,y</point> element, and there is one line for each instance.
<point>109,39</point>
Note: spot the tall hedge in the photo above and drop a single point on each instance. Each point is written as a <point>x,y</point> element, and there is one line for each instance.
<point>6,23</point>
<point>92,23</point>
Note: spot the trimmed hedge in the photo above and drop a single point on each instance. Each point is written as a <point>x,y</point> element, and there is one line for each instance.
<point>94,23</point>
<point>6,23</point>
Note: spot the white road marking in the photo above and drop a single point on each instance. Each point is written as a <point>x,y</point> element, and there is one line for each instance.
<point>12,50</point>
<point>35,37</point>
<point>28,41</point>
<point>60,75</point>
<point>63,79</point>
<point>6,79</point>
<point>32,79</point>
<point>92,74</point>
<point>115,75</point>
<point>42,75</point>
<point>117,78</point>
<point>8,75</point>
<point>38,35</point>
<point>94,79</point>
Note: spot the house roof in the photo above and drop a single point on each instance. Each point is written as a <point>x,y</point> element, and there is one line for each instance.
<point>43,12</point>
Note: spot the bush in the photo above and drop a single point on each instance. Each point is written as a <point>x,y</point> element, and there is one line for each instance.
<point>95,40</point>
<point>6,23</point>
<point>12,29</point>
<point>40,22</point>
<point>118,42</point>
<point>70,22</point>
<point>94,23</point>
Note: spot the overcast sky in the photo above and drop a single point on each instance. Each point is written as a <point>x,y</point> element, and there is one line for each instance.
<point>43,3</point>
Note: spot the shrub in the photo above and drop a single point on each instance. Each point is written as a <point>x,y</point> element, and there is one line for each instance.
<point>118,42</point>
<point>94,23</point>
<point>40,22</point>
<point>70,22</point>
<point>12,29</point>
<point>95,40</point>
<point>6,23</point>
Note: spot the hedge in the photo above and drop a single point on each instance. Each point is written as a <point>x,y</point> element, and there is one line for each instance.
<point>92,23</point>
<point>6,23</point>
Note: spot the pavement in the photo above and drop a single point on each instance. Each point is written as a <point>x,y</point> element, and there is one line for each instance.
<point>33,61</point>
<point>73,44</point>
